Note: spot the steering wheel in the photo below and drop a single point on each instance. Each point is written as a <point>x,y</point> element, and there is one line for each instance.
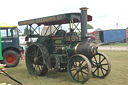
<point>60,33</point>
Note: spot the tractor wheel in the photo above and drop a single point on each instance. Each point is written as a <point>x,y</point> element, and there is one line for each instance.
<point>11,58</point>
<point>101,65</point>
<point>79,68</point>
<point>35,59</point>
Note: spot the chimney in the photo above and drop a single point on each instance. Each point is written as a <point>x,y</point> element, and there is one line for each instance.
<point>84,24</point>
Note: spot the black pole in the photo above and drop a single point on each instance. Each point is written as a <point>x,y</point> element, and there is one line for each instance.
<point>84,24</point>
<point>11,77</point>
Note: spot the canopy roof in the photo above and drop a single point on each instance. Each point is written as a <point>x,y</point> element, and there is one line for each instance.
<point>54,20</point>
<point>4,25</point>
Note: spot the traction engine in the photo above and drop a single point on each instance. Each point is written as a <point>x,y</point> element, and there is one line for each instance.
<point>60,50</point>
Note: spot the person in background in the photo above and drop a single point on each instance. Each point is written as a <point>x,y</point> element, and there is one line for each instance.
<point>25,47</point>
<point>21,52</point>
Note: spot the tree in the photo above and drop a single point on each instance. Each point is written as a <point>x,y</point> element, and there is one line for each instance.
<point>27,31</point>
<point>90,26</point>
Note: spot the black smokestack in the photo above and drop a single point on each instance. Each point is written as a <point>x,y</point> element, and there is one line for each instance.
<point>84,19</point>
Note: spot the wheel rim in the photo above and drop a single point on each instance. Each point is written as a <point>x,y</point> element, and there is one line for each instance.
<point>34,60</point>
<point>9,59</point>
<point>101,65</point>
<point>79,68</point>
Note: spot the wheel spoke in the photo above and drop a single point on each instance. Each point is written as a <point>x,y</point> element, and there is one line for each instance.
<point>102,71</point>
<point>72,69</point>
<point>99,58</point>
<point>84,72</point>
<point>36,68</point>
<point>37,51</point>
<point>98,71</point>
<point>34,49</point>
<point>95,59</point>
<point>82,75</point>
<point>39,57</point>
<point>85,67</point>
<point>94,62</point>
<point>31,55</point>
<point>78,76</point>
<point>74,65</point>
<point>33,67</point>
<point>94,65</point>
<point>39,68</point>
<point>40,62</point>
<point>75,74</point>
<point>102,60</point>
<point>105,64</point>
<point>82,62</point>
<point>95,70</point>
<point>75,62</point>
<point>79,60</point>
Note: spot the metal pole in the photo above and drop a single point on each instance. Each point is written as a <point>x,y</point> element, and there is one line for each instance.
<point>84,24</point>
<point>1,57</point>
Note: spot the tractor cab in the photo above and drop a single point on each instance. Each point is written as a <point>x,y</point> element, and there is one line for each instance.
<point>9,36</point>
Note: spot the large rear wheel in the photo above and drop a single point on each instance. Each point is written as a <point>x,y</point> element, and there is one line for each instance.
<point>79,68</point>
<point>35,63</point>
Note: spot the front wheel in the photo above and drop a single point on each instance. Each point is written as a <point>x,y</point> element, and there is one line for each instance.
<point>79,68</point>
<point>11,58</point>
<point>101,65</point>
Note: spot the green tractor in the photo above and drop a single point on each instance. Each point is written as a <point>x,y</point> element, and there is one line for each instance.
<point>60,49</point>
<point>9,45</point>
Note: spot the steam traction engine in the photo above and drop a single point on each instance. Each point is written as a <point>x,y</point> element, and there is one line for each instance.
<point>57,49</point>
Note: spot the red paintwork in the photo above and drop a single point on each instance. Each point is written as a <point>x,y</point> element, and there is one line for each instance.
<point>126,33</point>
<point>9,59</point>
<point>92,37</point>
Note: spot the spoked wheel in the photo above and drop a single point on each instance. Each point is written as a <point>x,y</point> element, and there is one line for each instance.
<point>101,65</point>
<point>35,59</point>
<point>79,68</point>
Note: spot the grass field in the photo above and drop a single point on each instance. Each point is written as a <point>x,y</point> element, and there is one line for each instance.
<point>117,76</point>
<point>117,44</point>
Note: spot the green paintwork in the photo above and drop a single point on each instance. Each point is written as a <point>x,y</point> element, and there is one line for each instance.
<point>64,59</point>
<point>69,50</point>
<point>58,41</point>
<point>1,58</point>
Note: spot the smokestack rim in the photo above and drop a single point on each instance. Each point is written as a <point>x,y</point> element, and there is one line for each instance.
<point>84,8</point>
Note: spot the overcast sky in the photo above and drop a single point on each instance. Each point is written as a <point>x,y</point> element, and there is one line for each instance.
<point>106,13</point>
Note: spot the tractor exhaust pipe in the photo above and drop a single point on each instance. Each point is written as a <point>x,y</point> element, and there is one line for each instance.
<point>84,19</point>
